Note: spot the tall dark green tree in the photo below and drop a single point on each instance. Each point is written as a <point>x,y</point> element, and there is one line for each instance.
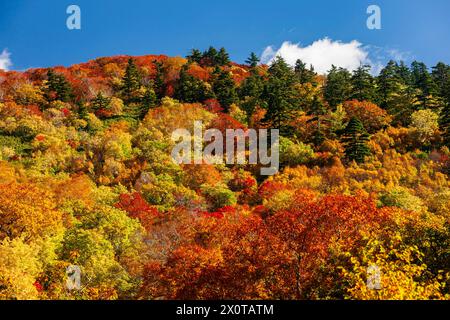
<point>422,80</point>
<point>445,116</point>
<point>195,56</point>
<point>131,82</point>
<point>150,100</point>
<point>252,60</point>
<point>58,88</point>
<point>279,95</point>
<point>338,86</point>
<point>395,94</point>
<point>100,103</point>
<point>441,76</point>
<point>304,74</point>
<point>355,139</point>
<point>222,58</point>
<point>190,89</point>
<point>159,84</point>
<point>363,86</point>
<point>317,111</point>
<point>250,93</point>
<point>224,88</point>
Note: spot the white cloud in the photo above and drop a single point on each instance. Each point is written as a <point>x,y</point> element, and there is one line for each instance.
<point>5,60</point>
<point>321,54</point>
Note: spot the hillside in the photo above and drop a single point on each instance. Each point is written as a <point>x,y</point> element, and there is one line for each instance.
<point>87,179</point>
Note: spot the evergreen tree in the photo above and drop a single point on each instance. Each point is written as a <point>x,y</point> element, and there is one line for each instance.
<point>82,110</point>
<point>149,100</point>
<point>279,95</point>
<point>387,83</point>
<point>195,56</point>
<point>191,89</point>
<point>445,116</point>
<point>363,87</point>
<point>159,85</point>
<point>252,60</point>
<point>338,87</point>
<point>441,76</point>
<point>131,82</point>
<point>222,58</point>
<point>317,111</point>
<point>250,93</point>
<point>58,88</point>
<point>422,80</point>
<point>355,139</point>
<point>210,57</point>
<point>224,88</point>
<point>100,103</point>
<point>304,74</point>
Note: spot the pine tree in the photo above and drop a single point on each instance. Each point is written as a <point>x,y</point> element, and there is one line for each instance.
<point>279,95</point>
<point>441,76</point>
<point>222,58</point>
<point>304,74</point>
<point>445,116</point>
<point>252,60</point>
<point>338,86</point>
<point>224,88</point>
<point>363,87</point>
<point>131,82</point>
<point>317,110</point>
<point>422,80</point>
<point>159,85</point>
<point>195,56</point>
<point>250,93</point>
<point>149,100</point>
<point>355,139</point>
<point>100,102</point>
<point>58,88</point>
<point>190,89</point>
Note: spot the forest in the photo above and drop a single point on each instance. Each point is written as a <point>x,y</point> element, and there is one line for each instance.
<point>87,180</point>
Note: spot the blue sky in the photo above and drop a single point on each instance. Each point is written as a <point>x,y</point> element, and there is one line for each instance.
<point>35,32</point>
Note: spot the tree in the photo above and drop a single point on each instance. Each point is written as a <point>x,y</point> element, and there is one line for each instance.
<point>131,82</point>
<point>58,88</point>
<point>100,104</point>
<point>222,58</point>
<point>304,74</point>
<point>445,119</point>
<point>279,95</point>
<point>224,88</point>
<point>355,140</point>
<point>195,56</point>
<point>159,84</point>
<point>338,86</point>
<point>363,87</point>
<point>190,89</point>
<point>252,60</point>
<point>441,77</point>
<point>422,80</point>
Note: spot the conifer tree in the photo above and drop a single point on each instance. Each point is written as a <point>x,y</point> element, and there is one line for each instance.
<point>159,85</point>
<point>224,88</point>
<point>338,86</point>
<point>222,58</point>
<point>190,89</point>
<point>252,60</point>
<point>58,88</point>
<point>279,95</point>
<point>304,74</point>
<point>363,87</point>
<point>195,56</point>
<point>131,82</point>
<point>355,139</point>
